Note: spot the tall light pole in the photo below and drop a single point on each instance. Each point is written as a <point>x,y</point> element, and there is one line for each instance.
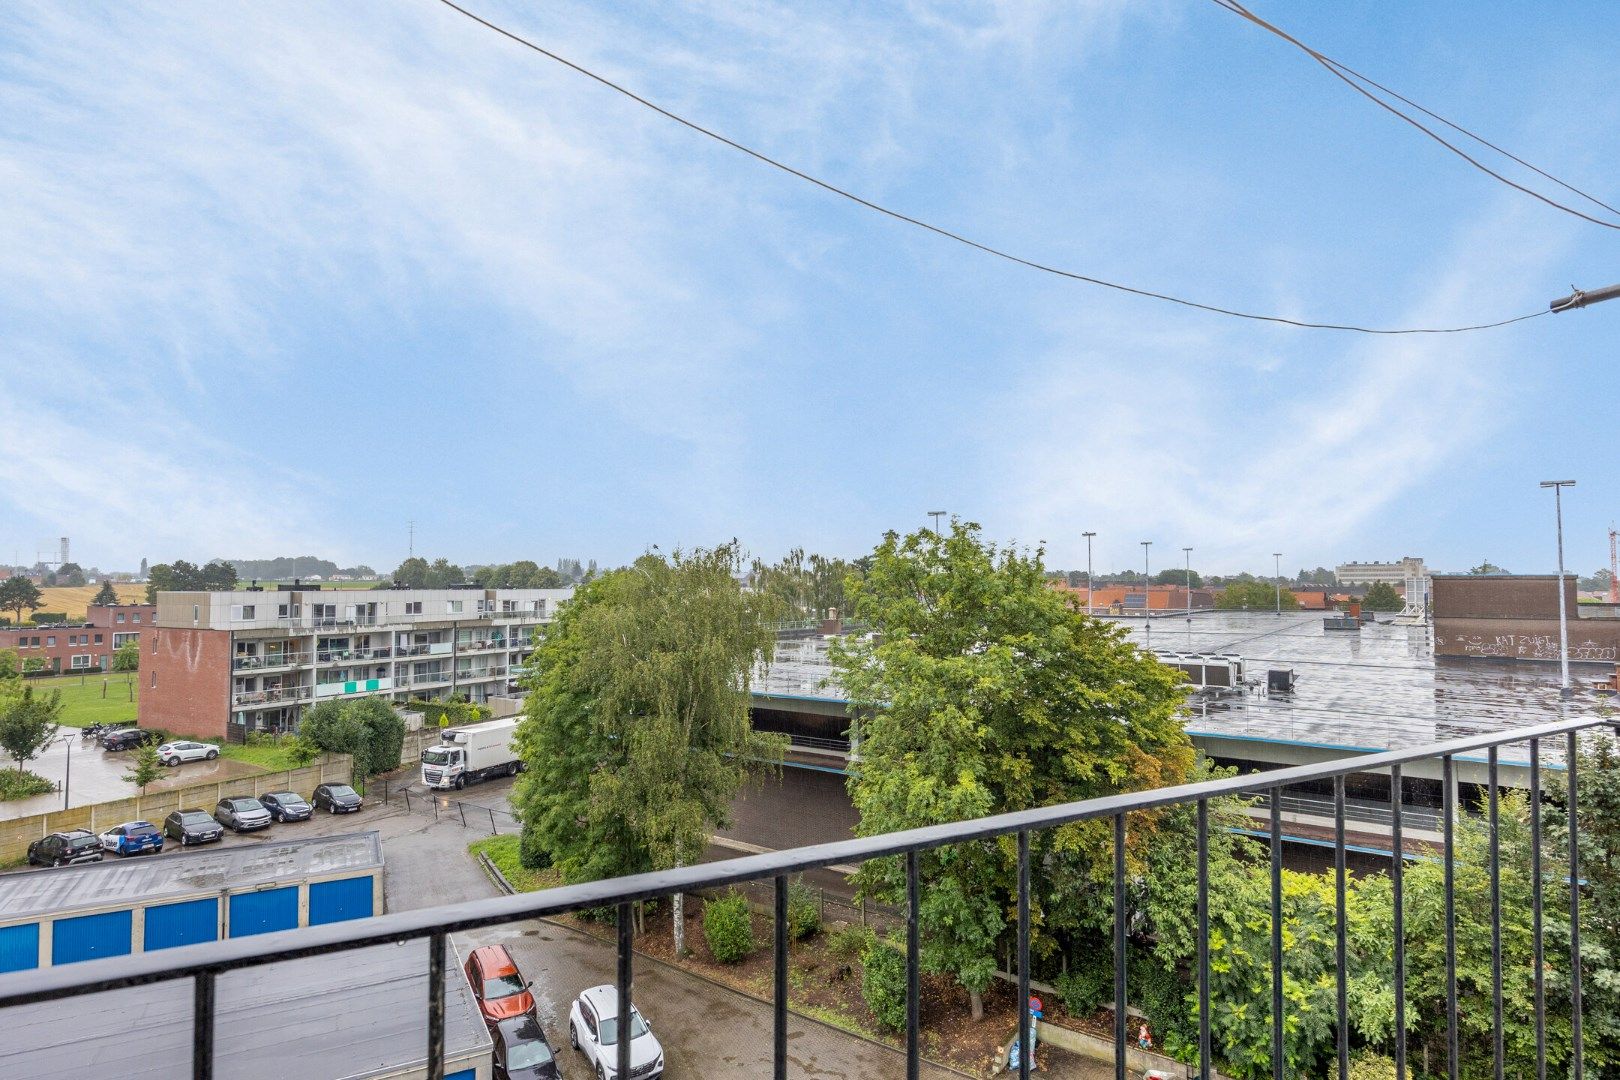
<point>1147,597</point>
<point>1565,690</point>
<point>1088,537</point>
<point>67,772</point>
<point>1277,555</point>
<point>1187,551</point>
<point>936,515</point>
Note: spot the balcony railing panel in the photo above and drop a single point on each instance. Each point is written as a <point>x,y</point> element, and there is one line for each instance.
<point>203,963</point>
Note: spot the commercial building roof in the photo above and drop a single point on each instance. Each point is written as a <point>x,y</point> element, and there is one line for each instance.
<point>138,880</point>
<point>342,1016</point>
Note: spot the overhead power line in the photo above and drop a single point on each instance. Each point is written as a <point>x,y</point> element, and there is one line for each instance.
<point>957,237</point>
<point>1353,79</point>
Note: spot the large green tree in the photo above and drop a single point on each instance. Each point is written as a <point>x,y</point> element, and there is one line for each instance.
<point>637,733</point>
<point>807,585</point>
<point>182,576</point>
<point>106,596</point>
<point>417,573</point>
<point>28,723</point>
<point>1382,597</point>
<point>1254,596</point>
<point>17,593</point>
<point>983,691</point>
<point>368,729</point>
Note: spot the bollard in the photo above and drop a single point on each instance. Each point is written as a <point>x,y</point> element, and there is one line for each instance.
<point>461,808</point>
<point>492,829</point>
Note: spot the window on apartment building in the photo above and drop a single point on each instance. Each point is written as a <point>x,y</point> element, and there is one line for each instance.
<point>196,614</point>
<point>154,680</point>
<point>413,607</point>
<point>119,617</point>
<point>98,639</point>
<point>453,607</point>
<point>80,660</point>
<point>136,617</point>
<point>120,639</point>
<point>50,643</point>
<point>281,611</point>
<point>248,611</point>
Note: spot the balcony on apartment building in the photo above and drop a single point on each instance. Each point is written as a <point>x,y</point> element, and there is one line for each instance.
<point>269,696</point>
<point>1558,1002</point>
<point>479,645</point>
<point>269,661</point>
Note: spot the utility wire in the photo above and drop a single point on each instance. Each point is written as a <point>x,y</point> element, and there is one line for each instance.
<point>1352,78</point>
<point>949,235</point>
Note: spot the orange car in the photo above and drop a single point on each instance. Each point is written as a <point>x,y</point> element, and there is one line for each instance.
<point>497,984</point>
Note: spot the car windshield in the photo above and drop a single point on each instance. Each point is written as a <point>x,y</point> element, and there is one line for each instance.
<point>77,842</point>
<point>341,792</point>
<point>247,804</point>
<point>610,1027</point>
<point>503,986</point>
<point>436,756</point>
<point>288,799</point>
<point>195,817</point>
<point>527,1055</point>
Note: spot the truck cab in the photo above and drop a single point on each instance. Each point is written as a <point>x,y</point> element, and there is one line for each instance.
<point>444,766</point>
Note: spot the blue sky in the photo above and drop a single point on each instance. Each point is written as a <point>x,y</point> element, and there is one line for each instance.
<point>277,279</point>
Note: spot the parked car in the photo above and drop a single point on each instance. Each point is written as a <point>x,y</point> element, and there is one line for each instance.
<point>497,985</point>
<point>65,848</point>
<point>129,738</point>
<point>593,1030</point>
<point>173,753</point>
<point>337,798</point>
<point>192,827</point>
<point>132,838</point>
<point>242,813</point>
<point>287,806</point>
<point>521,1050</point>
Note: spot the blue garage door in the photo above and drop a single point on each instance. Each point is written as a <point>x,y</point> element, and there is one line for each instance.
<point>262,912</point>
<point>472,1074</point>
<point>90,937</point>
<point>19,947</point>
<point>335,901</point>
<point>188,923</point>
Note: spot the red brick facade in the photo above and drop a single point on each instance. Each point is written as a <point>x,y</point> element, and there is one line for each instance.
<point>86,646</point>
<point>186,681</point>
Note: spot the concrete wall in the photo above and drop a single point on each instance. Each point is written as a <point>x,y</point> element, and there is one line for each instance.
<point>186,681</point>
<point>1505,596</point>
<point>1515,617</point>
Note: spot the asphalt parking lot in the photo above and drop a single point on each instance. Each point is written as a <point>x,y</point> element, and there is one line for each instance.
<point>95,775</point>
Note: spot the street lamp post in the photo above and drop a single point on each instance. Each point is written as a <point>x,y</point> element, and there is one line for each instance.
<point>1187,551</point>
<point>1277,555</point>
<point>1565,690</point>
<point>67,772</point>
<point>1579,299</point>
<point>1088,537</point>
<point>1147,597</point>
<point>936,515</point>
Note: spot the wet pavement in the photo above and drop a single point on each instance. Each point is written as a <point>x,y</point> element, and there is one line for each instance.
<point>95,775</point>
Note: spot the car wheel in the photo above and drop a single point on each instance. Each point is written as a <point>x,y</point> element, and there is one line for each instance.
<point>600,1075</point>
<point>461,782</point>
<point>172,762</point>
<point>331,808</point>
<point>573,1036</point>
<point>212,754</point>
<point>512,770</point>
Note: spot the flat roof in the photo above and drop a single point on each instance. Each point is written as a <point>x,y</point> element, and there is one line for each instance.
<point>342,1016</point>
<point>1378,688</point>
<point>141,880</point>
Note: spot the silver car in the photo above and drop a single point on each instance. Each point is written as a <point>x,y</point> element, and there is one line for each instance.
<point>173,753</point>
<point>242,813</point>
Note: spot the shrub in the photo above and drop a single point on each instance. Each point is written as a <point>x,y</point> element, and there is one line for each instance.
<point>1089,985</point>
<point>15,784</point>
<point>1367,1065</point>
<point>803,910</point>
<point>1162,995</point>
<point>849,943</point>
<point>728,925</point>
<point>532,853</point>
<point>883,984</point>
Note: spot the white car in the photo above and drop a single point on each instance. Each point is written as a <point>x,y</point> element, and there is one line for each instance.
<point>173,753</point>
<point>593,1025</point>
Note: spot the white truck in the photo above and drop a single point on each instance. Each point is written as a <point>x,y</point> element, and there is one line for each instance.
<point>466,755</point>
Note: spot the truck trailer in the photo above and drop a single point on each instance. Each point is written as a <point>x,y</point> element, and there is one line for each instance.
<point>466,755</point>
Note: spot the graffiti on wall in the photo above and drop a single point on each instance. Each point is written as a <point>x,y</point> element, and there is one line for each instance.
<point>1525,647</point>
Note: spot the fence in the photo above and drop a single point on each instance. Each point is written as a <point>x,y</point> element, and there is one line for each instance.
<point>17,833</point>
<point>202,964</point>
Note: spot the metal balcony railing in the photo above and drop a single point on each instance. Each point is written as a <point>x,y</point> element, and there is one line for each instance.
<point>259,663</point>
<point>203,963</point>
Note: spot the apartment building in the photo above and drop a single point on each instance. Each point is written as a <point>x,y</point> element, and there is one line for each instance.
<point>80,647</point>
<point>222,664</point>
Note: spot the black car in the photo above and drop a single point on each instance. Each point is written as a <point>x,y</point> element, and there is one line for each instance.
<point>65,848</point>
<point>286,806</point>
<point>521,1050</point>
<point>192,827</point>
<point>337,798</point>
<point>130,738</point>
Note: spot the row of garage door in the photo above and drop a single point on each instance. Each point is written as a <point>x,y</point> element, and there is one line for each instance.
<point>188,922</point>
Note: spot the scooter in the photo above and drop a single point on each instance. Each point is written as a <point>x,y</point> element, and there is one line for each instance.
<point>93,732</point>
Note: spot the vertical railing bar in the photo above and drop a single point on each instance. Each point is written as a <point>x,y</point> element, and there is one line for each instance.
<point>1577,1050</point>
<point>1204,1062</point>
<point>202,1026</point>
<point>1498,1048</point>
<point>1449,833</point>
<point>437,942</point>
<point>1276,940</point>
<point>1341,942</point>
<point>1025,1048</point>
<point>1120,987</point>
<point>1397,879</point>
<point>780,1004</point>
<point>1538,957</point>
<point>625,977</point>
<point>913,968</point>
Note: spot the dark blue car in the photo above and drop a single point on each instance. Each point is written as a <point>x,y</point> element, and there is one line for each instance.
<point>132,838</point>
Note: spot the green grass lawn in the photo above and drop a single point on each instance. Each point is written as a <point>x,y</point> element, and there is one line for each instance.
<point>272,758</point>
<point>82,700</point>
<point>503,852</point>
